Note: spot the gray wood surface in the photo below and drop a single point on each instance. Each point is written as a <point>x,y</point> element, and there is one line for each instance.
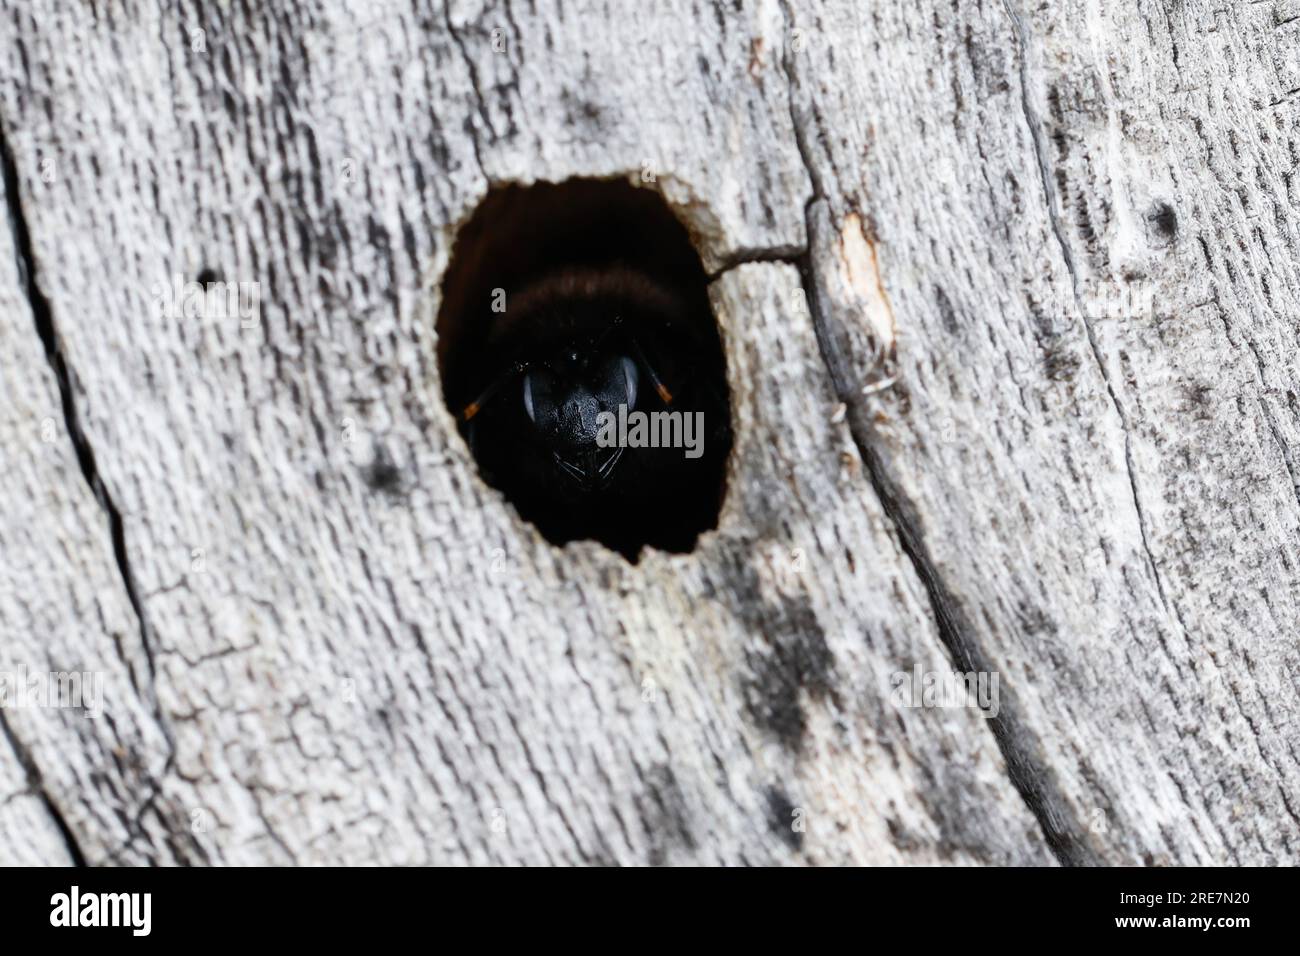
<point>1009,296</point>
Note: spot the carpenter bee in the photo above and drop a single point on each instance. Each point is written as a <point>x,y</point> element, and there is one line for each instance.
<point>575,356</point>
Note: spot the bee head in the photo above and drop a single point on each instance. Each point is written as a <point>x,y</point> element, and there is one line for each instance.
<point>565,396</point>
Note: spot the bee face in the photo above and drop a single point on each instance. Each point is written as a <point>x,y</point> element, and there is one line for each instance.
<point>565,399</point>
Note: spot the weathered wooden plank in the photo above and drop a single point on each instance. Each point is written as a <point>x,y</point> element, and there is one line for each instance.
<point>405,672</point>
<point>78,749</point>
<point>328,641</point>
<point>1091,295</point>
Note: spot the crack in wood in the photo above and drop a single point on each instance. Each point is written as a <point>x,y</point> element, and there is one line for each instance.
<point>1034,124</point>
<point>43,315</point>
<point>1029,773</point>
<point>472,73</point>
<point>37,785</point>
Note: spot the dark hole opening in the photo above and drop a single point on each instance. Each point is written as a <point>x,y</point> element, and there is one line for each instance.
<point>1166,220</point>
<point>575,335</point>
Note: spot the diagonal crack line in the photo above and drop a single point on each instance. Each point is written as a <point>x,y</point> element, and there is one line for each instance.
<point>1040,151</point>
<point>472,72</point>
<point>1058,231</point>
<point>1028,771</point>
<point>1030,774</point>
<point>43,316</point>
<point>37,783</point>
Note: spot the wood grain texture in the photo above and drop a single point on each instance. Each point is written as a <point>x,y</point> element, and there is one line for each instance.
<point>1088,447</point>
<point>1065,232</point>
<point>65,611</point>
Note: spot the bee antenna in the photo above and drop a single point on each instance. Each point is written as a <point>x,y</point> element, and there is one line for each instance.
<point>473,408</point>
<point>655,380</point>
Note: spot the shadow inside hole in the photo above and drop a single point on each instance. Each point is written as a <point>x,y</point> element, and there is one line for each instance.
<point>562,302</point>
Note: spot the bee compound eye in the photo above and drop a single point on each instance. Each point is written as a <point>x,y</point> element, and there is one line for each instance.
<point>528,397</point>
<point>630,380</point>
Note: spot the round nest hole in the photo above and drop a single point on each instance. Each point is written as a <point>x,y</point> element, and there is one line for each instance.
<point>583,364</point>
